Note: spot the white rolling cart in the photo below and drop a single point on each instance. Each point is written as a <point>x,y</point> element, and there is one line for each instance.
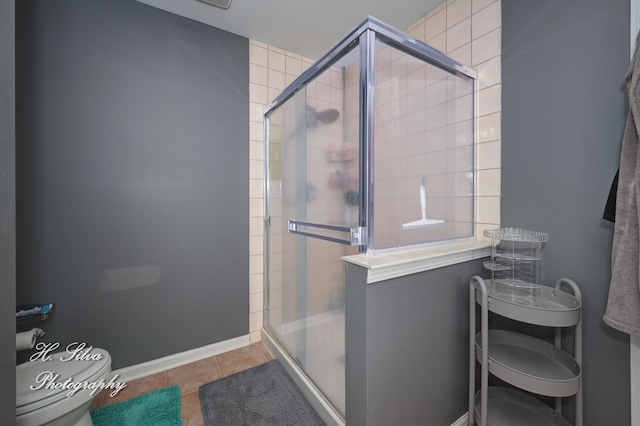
<point>528,363</point>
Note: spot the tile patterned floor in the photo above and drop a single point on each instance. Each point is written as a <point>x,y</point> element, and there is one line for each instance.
<point>190,377</point>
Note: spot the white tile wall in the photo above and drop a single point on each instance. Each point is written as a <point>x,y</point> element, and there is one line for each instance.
<point>270,70</point>
<point>470,32</point>
<point>467,30</point>
<point>486,47</point>
<point>459,34</point>
<point>486,20</point>
<point>457,11</point>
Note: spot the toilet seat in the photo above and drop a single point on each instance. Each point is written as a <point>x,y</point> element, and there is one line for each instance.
<point>90,371</point>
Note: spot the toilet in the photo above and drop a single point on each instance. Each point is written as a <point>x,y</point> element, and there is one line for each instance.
<point>53,407</point>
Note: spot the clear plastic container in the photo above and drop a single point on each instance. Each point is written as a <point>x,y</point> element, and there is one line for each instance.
<point>516,262</point>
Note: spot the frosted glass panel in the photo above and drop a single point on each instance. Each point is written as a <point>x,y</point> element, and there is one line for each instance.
<point>423,134</point>
<point>313,162</point>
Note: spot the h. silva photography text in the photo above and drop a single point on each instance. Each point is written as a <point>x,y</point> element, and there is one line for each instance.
<point>76,351</point>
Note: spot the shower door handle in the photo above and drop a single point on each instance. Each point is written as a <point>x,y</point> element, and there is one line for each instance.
<point>357,234</point>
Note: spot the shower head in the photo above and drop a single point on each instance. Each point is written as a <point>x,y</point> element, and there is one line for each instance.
<point>327,116</point>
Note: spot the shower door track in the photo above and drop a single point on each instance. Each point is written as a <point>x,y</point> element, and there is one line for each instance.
<point>310,391</point>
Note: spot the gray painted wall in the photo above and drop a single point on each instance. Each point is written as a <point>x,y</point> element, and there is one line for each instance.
<point>407,353</point>
<point>132,173</point>
<point>7,212</point>
<point>564,110</point>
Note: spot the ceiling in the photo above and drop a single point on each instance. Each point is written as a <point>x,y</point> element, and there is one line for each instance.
<point>306,27</point>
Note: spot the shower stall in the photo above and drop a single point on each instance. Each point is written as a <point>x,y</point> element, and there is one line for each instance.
<point>371,148</point>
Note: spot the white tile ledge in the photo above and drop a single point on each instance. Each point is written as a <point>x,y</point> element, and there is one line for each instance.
<point>398,263</point>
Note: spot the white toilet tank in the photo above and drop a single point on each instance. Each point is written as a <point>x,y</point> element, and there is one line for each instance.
<point>59,390</point>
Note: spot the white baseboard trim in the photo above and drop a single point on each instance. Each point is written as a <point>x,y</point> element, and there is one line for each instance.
<point>462,421</point>
<point>137,371</point>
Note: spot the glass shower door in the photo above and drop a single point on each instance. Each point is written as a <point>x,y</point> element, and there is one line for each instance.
<point>312,215</point>
<point>371,148</point>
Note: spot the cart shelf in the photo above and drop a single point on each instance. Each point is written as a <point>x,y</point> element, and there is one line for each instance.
<point>530,363</point>
<point>533,304</point>
<point>509,407</point>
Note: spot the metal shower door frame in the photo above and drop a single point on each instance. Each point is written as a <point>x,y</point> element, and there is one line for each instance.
<point>365,35</point>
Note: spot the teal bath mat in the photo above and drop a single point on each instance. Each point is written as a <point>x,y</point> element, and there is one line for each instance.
<point>158,408</point>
